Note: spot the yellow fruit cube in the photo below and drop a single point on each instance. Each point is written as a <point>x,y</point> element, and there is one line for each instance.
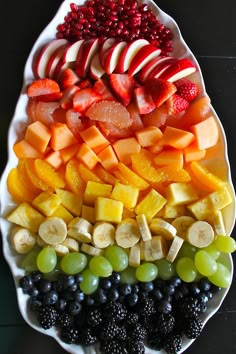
<point>107,209</point>
<point>88,213</point>
<point>202,209</point>
<point>94,190</point>
<point>150,204</point>
<point>172,212</point>
<point>220,198</point>
<point>46,203</point>
<point>181,194</point>
<point>71,201</point>
<point>63,213</point>
<point>26,216</point>
<point>128,195</point>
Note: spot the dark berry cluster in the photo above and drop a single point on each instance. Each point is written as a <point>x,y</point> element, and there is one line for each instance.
<point>123,318</point>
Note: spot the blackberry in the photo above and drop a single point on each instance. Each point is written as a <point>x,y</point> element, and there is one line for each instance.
<point>109,331</point>
<point>146,307</point>
<point>122,333</point>
<point>116,311</point>
<point>189,307</point>
<point>137,332</point>
<point>192,327</point>
<point>64,320</point>
<point>47,317</point>
<point>113,347</point>
<point>135,347</point>
<point>94,317</point>
<point>87,337</point>
<point>165,323</point>
<point>173,344</point>
<point>155,340</point>
<point>69,335</point>
<point>132,318</point>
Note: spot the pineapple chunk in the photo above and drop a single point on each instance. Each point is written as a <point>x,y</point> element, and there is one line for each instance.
<point>172,212</point>
<point>202,209</point>
<point>63,213</point>
<point>217,222</point>
<point>26,216</point>
<point>181,194</point>
<point>94,190</point>
<point>155,249</point>
<point>108,210</point>
<point>71,201</point>
<point>220,198</point>
<point>46,202</point>
<point>151,204</point>
<point>88,213</point>
<point>128,195</point>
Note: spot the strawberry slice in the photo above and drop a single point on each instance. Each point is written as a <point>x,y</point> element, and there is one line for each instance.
<point>102,88</point>
<point>84,98</point>
<point>67,78</point>
<point>122,86</point>
<point>176,104</point>
<point>42,87</point>
<point>144,100</point>
<point>49,97</point>
<point>86,83</point>
<point>160,90</point>
<point>187,89</point>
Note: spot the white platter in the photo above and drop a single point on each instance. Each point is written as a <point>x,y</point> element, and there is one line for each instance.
<point>217,159</point>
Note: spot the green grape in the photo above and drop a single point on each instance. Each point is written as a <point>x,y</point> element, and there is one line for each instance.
<point>221,277</point>
<point>225,244</point>
<point>89,283</point>
<point>100,266</point>
<point>146,272</point>
<point>186,269</point>
<point>204,263</point>
<point>128,276</point>
<point>29,262</point>
<point>187,250</point>
<point>213,252</point>
<point>73,263</point>
<point>117,257</point>
<point>166,270</point>
<point>47,260</point>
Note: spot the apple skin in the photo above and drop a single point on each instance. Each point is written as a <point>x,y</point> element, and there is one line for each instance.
<point>108,43</point>
<point>71,52</point>
<point>54,60</point>
<point>86,52</point>
<point>160,68</point>
<point>178,70</point>
<point>111,56</point>
<point>96,70</point>
<point>144,55</point>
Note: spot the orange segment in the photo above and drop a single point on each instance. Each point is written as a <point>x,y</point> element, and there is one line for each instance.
<point>17,189</point>
<point>35,180</point>
<point>208,180</point>
<point>24,176</point>
<point>48,174</point>
<point>88,175</point>
<point>73,178</point>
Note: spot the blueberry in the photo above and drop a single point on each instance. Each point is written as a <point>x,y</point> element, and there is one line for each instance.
<point>89,301</point>
<point>101,296</point>
<point>184,289</point>
<point>135,289</point>
<point>169,290</point>
<point>26,283</point>
<point>159,283</point>
<point>50,298</point>
<point>164,306</point>
<point>204,284</point>
<point>74,308</point>
<point>202,298</point>
<point>194,289</point>
<point>157,294</point>
<point>58,285</point>
<point>68,295</point>
<point>209,294</point>
<point>147,286</point>
<point>115,278</point>
<point>34,292</point>
<point>45,286</point>
<point>35,304</point>
<point>73,287</point>
<point>125,289</point>
<point>36,276</point>
<point>113,294</point>
<point>178,294</point>
<point>78,278</point>
<point>61,305</point>
<point>106,284</point>
<point>175,281</point>
<point>132,299</point>
<point>79,296</point>
<point>68,281</point>
<point>203,308</point>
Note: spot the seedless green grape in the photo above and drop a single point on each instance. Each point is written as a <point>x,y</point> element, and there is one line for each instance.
<point>225,244</point>
<point>128,276</point>
<point>166,270</point>
<point>221,277</point>
<point>100,266</point>
<point>146,272</point>
<point>187,250</point>
<point>47,260</point>
<point>29,262</point>
<point>73,263</point>
<point>186,269</point>
<point>213,252</point>
<point>117,257</point>
<point>89,283</point>
<point>204,263</point>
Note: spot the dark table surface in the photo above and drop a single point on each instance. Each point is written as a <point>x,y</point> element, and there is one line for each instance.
<point>209,29</point>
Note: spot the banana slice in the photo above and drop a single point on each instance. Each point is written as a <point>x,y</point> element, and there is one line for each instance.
<point>164,228</point>
<point>53,230</point>
<point>143,227</point>
<point>93,251</point>
<point>22,240</point>
<point>155,249</point>
<point>127,233</point>
<point>182,224</point>
<point>61,250</point>
<point>80,229</point>
<point>174,248</point>
<point>134,255</point>
<point>71,244</point>
<point>200,234</point>
<point>103,234</point>
<point>218,223</point>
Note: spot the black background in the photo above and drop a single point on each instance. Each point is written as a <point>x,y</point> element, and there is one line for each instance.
<point>209,29</point>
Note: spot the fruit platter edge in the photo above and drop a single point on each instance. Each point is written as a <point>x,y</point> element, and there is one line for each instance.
<point>217,160</point>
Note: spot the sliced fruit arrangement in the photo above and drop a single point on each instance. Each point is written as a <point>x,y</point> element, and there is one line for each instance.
<point>114,196</point>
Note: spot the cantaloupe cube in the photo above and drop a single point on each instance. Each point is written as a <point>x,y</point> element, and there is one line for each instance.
<point>94,190</point>
<point>108,158</point>
<point>88,213</point>
<point>46,202</point>
<point>71,201</point>
<point>94,138</point>
<point>26,216</point>
<point>63,213</point>
<point>127,194</point>
<point>54,159</point>
<point>107,209</point>
<point>86,155</point>
<point>38,135</point>
<point>181,194</point>
<point>23,149</point>
<point>126,147</point>
<point>150,204</point>
<point>148,136</point>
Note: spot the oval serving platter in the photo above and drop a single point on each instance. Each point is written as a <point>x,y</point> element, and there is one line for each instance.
<point>217,160</point>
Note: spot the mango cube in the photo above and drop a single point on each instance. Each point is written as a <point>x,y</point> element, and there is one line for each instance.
<point>26,216</point>
<point>46,202</point>
<point>128,195</point>
<point>220,198</point>
<point>63,213</point>
<point>94,190</point>
<point>150,204</point>
<point>202,209</point>
<point>71,201</point>
<point>181,194</point>
<point>107,209</point>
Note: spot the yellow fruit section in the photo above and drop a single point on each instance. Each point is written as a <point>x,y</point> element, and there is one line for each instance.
<point>17,189</point>
<point>151,204</point>
<point>46,203</point>
<point>26,216</point>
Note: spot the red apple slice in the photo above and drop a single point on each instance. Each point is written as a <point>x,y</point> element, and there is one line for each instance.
<point>54,60</point>
<point>111,57</point>
<point>160,68</point>
<point>44,56</point>
<point>71,52</point>
<point>178,70</point>
<point>144,55</point>
<point>96,69</point>
<point>149,67</point>
<point>108,43</point>
<point>128,54</point>
<point>87,50</point>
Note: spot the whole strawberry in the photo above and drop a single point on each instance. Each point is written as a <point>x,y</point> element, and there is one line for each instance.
<point>176,104</point>
<point>187,89</point>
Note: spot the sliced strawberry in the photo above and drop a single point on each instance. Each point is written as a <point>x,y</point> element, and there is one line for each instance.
<point>144,100</point>
<point>84,98</point>
<point>160,90</point>
<point>102,88</point>
<point>187,89</point>
<point>66,100</point>
<point>176,104</point>
<point>68,77</point>
<point>42,87</point>
<point>49,97</point>
<point>85,84</point>
<point>122,86</point>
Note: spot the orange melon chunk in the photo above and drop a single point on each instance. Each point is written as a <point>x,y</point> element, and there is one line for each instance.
<point>94,138</point>
<point>86,155</point>
<point>148,136</point>
<point>124,148</point>
<point>170,156</point>
<point>108,158</point>
<point>206,133</point>
<point>23,149</point>
<point>177,138</point>
<point>192,153</point>
<point>38,135</point>
<point>62,137</point>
